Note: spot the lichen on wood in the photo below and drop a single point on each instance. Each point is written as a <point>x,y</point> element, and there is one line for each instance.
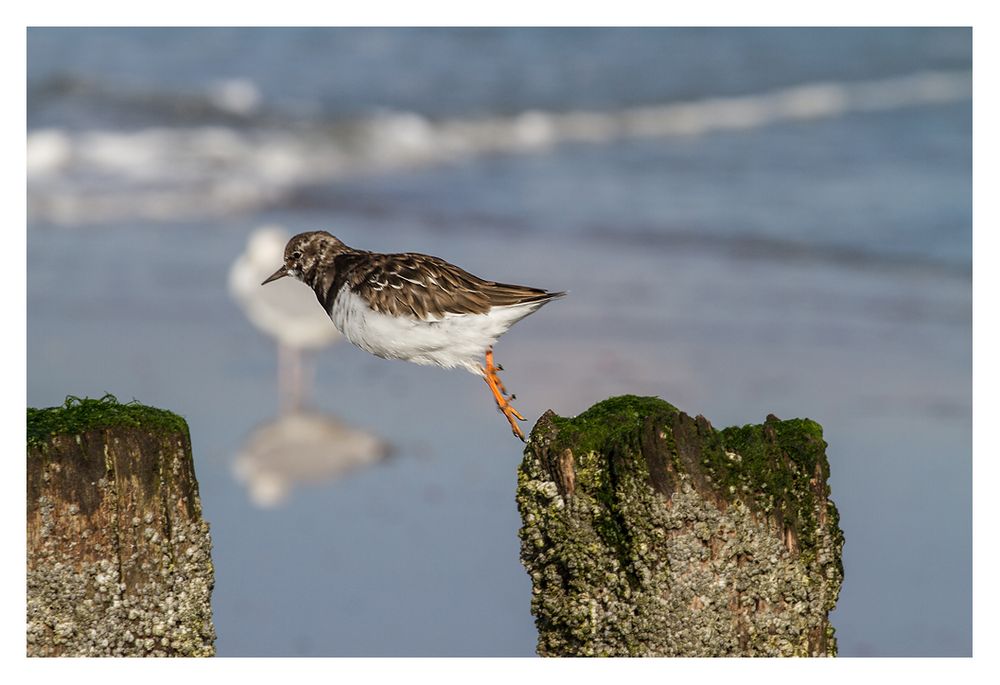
<point>119,557</point>
<point>649,533</point>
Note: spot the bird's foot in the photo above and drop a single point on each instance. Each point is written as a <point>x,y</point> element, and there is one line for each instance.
<point>492,370</point>
<point>500,395</point>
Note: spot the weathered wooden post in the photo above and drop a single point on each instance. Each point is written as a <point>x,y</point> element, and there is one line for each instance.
<point>649,533</point>
<point>118,554</point>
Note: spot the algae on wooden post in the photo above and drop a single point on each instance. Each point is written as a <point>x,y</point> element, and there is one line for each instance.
<point>649,533</point>
<point>119,557</point>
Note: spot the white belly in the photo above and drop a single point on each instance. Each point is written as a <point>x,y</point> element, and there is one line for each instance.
<point>452,341</point>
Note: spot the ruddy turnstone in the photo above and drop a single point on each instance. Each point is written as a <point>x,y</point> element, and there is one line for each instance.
<point>413,306</point>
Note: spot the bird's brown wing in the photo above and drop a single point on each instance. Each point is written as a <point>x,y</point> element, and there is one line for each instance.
<point>428,287</point>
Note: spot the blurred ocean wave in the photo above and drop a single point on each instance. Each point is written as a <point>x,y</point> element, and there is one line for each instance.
<point>228,102</point>
<point>179,172</point>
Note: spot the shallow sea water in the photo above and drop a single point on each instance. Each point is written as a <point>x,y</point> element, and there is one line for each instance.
<point>815,268</point>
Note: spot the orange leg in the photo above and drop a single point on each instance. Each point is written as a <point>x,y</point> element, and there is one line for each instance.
<point>499,392</point>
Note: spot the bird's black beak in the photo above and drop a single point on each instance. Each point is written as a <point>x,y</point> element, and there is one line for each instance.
<point>280,273</point>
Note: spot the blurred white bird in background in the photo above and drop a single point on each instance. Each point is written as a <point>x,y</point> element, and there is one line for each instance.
<point>283,311</point>
<point>299,446</point>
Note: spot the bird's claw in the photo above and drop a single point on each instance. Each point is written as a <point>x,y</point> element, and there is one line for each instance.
<point>501,397</point>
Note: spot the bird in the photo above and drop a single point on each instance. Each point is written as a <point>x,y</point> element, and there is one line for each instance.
<point>298,326</point>
<point>414,307</point>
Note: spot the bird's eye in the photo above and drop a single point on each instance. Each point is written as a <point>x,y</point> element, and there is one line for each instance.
<point>296,255</point>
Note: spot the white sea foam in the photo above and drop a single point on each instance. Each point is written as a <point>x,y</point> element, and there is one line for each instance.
<point>238,96</point>
<point>48,151</point>
<point>180,172</point>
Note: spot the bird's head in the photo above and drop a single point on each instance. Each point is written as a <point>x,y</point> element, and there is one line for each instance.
<point>305,253</point>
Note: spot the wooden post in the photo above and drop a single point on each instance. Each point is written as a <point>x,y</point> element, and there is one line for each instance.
<point>119,558</point>
<point>649,533</point>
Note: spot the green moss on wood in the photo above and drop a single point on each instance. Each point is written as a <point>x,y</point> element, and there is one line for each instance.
<point>615,420</point>
<point>647,531</point>
<point>78,416</point>
<point>781,469</point>
<point>119,557</point>
<point>772,467</point>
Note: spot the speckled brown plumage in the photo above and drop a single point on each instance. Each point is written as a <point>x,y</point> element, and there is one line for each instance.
<point>426,286</point>
<point>405,284</point>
